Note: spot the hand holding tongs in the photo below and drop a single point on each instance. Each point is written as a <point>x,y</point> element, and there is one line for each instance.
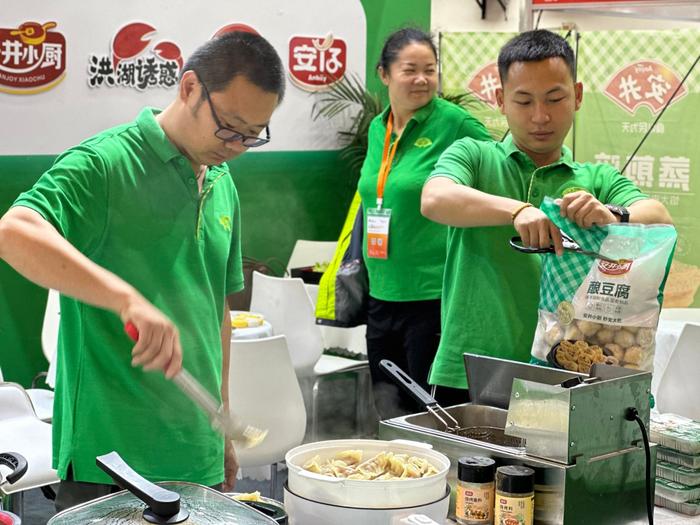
<point>226,423</point>
<point>567,242</point>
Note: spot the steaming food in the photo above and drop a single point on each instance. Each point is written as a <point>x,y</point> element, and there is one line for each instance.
<point>383,466</point>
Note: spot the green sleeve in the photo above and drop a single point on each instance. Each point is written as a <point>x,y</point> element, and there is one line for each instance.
<point>234,270</point>
<point>73,196</point>
<point>619,189</point>
<point>472,127</point>
<point>459,162</point>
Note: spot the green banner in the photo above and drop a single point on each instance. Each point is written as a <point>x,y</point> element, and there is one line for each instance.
<point>628,77</point>
<point>468,63</point>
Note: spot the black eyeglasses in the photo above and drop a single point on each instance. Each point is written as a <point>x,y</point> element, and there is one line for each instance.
<point>231,135</point>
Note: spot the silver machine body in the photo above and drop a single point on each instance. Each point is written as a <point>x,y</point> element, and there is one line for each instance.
<point>589,460</point>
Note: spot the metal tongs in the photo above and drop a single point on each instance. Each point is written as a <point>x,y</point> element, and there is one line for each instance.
<point>569,245</point>
<point>225,423</point>
<point>431,405</point>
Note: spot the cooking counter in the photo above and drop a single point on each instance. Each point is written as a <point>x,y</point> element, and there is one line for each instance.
<point>588,458</point>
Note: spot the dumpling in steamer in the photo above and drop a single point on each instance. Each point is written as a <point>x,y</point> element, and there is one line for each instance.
<point>383,466</point>
<point>351,457</point>
<point>374,467</point>
<point>313,465</point>
<point>397,464</point>
<point>411,471</point>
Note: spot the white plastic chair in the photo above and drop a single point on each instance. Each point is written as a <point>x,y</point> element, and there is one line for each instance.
<point>679,389</point>
<point>264,392</point>
<point>23,432</point>
<point>308,253</point>
<point>42,398</point>
<point>285,303</point>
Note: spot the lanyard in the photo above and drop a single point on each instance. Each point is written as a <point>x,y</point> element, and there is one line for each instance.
<point>387,159</point>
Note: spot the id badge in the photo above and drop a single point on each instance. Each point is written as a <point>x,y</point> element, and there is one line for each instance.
<point>378,232</point>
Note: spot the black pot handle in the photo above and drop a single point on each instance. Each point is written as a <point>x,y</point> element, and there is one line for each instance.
<point>163,504</point>
<point>404,380</point>
<point>17,463</point>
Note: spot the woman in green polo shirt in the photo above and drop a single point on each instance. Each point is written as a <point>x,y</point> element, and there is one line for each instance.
<point>403,251</point>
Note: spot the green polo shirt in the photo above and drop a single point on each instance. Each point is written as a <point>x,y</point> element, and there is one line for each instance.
<point>128,200</point>
<point>490,294</point>
<point>413,270</point>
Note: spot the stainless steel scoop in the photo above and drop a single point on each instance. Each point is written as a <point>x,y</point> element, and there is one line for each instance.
<point>225,422</point>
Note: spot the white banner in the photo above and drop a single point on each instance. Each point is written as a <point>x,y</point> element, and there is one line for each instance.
<point>70,68</point>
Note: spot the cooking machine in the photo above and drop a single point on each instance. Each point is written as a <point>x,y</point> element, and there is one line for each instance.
<point>575,430</point>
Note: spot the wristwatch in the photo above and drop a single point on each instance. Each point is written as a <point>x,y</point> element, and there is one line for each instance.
<point>619,211</point>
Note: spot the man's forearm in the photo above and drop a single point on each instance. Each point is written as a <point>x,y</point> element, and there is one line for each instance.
<point>34,248</point>
<point>649,211</point>
<point>446,202</point>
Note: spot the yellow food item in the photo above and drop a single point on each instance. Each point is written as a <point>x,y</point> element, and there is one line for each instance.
<point>578,356</point>
<point>624,338</point>
<point>383,466</point>
<point>248,496</point>
<point>246,320</point>
<point>645,337</point>
<point>615,350</point>
<point>633,355</point>
<point>682,285</point>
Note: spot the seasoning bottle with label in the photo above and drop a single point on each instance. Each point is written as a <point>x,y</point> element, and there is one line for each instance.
<point>475,490</point>
<point>515,495</point>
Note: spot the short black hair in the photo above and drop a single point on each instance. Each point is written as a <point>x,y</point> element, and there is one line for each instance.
<point>400,39</point>
<point>225,57</point>
<point>534,46</point>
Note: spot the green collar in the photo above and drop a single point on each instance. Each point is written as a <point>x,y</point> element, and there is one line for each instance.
<point>155,136</point>
<point>510,148</point>
<point>419,116</point>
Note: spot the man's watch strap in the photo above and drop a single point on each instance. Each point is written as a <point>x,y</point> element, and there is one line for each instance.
<point>620,211</point>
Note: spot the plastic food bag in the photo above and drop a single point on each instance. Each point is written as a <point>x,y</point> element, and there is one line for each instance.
<point>594,311</point>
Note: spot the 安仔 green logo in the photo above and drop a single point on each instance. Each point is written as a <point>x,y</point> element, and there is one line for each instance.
<point>572,189</point>
<point>225,221</point>
<point>423,142</point>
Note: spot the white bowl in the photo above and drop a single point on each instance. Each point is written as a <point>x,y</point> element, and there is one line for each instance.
<point>302,511</point>
<point>376,494</point>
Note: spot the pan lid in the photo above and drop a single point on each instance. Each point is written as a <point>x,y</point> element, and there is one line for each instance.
<point>205,506</point>
<point>160,503</point>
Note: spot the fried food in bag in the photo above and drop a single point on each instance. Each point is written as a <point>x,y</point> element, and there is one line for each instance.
<point>610,307</point>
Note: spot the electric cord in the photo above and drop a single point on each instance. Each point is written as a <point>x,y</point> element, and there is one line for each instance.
<point>631,414</point>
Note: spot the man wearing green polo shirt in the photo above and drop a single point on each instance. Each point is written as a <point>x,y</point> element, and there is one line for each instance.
<point>141,224</point>
<point>484,190</point>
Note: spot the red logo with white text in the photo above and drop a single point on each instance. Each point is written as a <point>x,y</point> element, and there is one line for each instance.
<point>644,83</point>
<point>32,58</point>
<point>316,63</point>
<point>484,84</point>
<point>615,268</point>
<point>133,62</point>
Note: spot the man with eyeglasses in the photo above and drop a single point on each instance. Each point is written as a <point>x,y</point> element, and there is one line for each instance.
<point>141,224</point>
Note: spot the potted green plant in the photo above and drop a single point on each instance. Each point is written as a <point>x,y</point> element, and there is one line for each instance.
<point>350,94</point>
